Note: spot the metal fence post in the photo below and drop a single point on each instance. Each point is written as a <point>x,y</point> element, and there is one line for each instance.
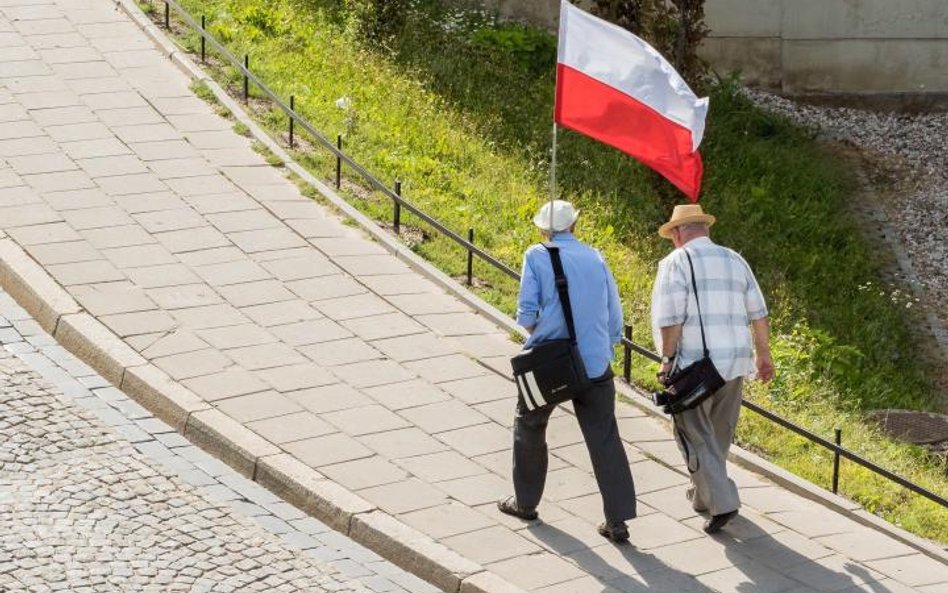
<point>470,258</point>
<point>839,440</point>
<point>627,354</point>
<point>292,119</point>
<point>167,16</point>
<point>246,78</point>
<point>203,39</point>
<point>338,161</point>
<point>397,220</point>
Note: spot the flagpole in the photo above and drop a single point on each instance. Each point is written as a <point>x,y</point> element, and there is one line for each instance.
<point>553,177</point>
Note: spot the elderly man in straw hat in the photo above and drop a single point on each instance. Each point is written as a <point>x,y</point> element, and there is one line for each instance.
<point>597,315</point>
<point>734,315</point>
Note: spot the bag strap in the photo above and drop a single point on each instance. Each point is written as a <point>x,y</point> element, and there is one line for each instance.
<point>694,286</point>
<point>562,287</point>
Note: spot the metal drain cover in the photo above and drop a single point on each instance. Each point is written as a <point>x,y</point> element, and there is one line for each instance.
<point>921,428</point>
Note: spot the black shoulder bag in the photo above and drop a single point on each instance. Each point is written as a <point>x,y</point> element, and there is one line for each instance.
<point>551,372</point>
<point>687,388</point>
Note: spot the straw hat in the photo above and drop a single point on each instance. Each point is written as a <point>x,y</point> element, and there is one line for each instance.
<point>684,214</point>
<point>564,215</point>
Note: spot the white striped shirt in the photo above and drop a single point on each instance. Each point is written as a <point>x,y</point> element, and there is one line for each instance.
<point>730,299</point>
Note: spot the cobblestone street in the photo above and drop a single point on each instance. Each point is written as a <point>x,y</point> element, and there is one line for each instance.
<point>83,509</point>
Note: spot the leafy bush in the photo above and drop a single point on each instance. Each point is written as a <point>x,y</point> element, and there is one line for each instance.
<point>529,47</point>
<point>376,21</point>
<point>675,30</point>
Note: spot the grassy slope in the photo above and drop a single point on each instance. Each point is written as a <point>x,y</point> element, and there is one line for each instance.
<point>463,117</point>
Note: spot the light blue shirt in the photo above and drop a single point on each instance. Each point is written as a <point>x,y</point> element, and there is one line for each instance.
<point>597,313</point>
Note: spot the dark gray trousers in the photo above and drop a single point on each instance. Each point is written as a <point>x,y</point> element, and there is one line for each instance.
<point>595,411</point>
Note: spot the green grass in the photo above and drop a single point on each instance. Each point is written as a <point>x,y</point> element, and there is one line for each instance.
<point>461,113</point>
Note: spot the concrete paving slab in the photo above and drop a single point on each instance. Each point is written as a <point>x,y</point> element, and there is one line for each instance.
<point>365,420</point>
<point>407,394</point>
<point>446,520</point>
<point>193,364</point>
<point>221,382</point>
<point>364,473</point>
<point>439,467</point>
<point>491,544</point>
<point>296,426</point>
<point>372,373</point>
<point>327,450</point>
<point>257,406</point>
<point>331,292</point>
<point>915,570</point>
<point>476,490</point>
<point>536,571</point>
<point>403,443</point>
<point>443,416</point>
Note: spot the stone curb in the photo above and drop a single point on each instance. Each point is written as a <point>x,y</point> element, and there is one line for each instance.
<point>637,397</point>
<point>310,491</point>
<point>31,286</point>
<point>161,395</point>
<point>412,550</point>
<point>228,440</point>
<point>96,345</point>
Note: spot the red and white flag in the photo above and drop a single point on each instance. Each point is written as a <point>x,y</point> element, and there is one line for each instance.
<point>614,87</point>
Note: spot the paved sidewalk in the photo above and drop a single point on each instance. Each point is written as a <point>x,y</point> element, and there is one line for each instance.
<point>168,229</point>
<point>120,501</point>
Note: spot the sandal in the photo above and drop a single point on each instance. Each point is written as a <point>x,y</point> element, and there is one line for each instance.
<point>509,506</point>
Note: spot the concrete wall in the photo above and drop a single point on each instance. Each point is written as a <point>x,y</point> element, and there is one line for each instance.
<point>833,46</point>
<point>814,46</point>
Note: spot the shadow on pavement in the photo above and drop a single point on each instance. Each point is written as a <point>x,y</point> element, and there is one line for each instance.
<point>760,563</point>
<point>768,563</point>
<point>619,568</point>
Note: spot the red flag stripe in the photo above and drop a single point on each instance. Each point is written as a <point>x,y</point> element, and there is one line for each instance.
<point>600,111</point>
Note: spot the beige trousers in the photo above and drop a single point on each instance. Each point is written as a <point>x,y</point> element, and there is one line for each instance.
<point>704,436</point>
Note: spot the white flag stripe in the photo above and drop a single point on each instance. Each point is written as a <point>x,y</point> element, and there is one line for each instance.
<point>618,58</point>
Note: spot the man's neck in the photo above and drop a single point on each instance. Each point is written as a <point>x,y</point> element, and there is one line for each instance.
<point>695,238</point>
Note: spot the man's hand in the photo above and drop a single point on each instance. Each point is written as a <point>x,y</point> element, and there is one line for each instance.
<point>664,371</point>
<point>765,368</point>
<point>765,364</point>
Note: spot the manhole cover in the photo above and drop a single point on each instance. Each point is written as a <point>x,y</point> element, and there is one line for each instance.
<point>922,428</point>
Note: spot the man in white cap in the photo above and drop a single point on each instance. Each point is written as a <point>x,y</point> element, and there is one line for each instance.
<point>734,315</point>
<point>597,316</point>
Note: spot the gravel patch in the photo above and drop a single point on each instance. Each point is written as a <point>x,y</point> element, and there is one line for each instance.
<point>915,147</point>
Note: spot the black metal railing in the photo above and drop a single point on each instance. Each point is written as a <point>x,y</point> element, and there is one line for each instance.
<point>399,202</point>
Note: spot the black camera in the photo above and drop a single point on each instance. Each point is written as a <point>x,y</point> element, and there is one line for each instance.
<point>660,398</point>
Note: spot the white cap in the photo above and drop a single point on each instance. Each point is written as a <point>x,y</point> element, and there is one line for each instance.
<point>564,215</point>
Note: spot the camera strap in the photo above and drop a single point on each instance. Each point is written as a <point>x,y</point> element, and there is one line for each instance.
<point>562,287</point>
<point>694,286</point>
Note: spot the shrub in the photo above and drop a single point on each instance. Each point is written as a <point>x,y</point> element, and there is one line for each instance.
<point>675,30</point>
<point>376,21</point>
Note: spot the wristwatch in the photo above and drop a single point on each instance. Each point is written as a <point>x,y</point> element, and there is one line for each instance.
<point>668,359</point>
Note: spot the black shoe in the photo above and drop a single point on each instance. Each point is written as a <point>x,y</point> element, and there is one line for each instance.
<point>616,532</point>
<point>509,506</point>
<point>715,523</point>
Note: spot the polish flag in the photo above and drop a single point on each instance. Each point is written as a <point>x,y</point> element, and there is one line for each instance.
<point>614,87</point>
